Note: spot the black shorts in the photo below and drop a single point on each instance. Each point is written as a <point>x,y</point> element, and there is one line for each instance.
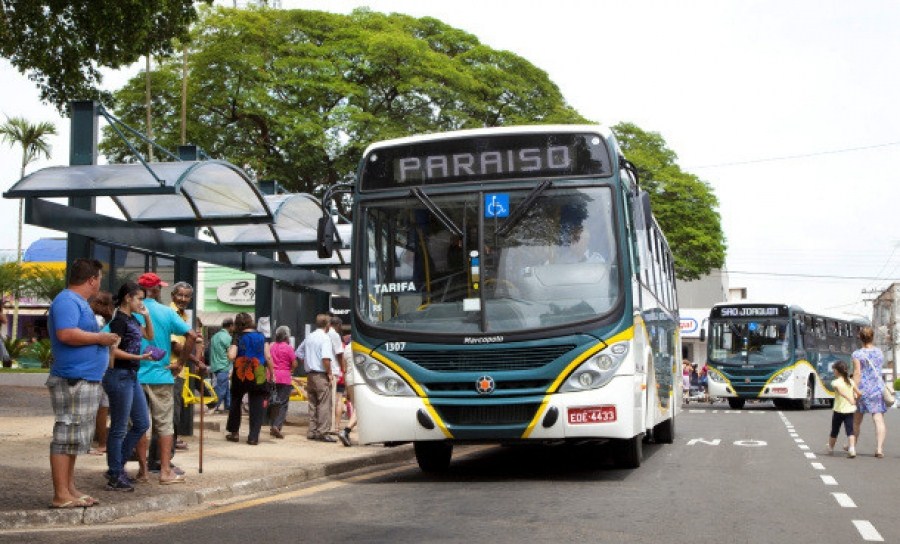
<point>837,419</point>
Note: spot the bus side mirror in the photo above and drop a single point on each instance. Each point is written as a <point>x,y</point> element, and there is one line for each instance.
<point>703,335</point>
<point>644,203</point>
<point>325,237</point>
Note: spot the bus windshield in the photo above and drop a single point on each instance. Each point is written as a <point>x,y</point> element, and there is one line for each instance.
<point>749,342</point>
<point>497,261</point>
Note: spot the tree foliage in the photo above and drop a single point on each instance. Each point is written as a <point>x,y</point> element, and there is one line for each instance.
<point>31,137</point>
<point>684,205</point>
<point>296,96</point>
<point>62,45</point>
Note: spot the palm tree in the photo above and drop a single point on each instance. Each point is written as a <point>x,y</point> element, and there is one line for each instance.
<point>33,139</point>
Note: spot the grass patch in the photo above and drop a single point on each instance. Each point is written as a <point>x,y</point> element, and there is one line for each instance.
<point>24,370</point>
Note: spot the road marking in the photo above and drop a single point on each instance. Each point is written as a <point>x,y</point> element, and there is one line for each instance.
<point>867,530</point>
<point>809,455</point>
<point>803,446</point>
<point>713,442</point>
<point>798,440</point>
<point>818,466</point>
<point>794,435</point>
<point>844,500</point>
<point>828,480</point>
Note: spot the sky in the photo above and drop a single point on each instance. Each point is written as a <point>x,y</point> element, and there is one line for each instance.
<point>789,110</point>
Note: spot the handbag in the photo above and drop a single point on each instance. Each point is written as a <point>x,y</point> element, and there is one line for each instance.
<point>887,394</point>
<point>259,373</point>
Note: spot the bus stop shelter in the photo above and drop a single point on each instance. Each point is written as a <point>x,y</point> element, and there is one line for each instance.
<point>165,204</point>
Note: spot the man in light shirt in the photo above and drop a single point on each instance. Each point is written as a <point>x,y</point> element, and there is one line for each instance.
<point>316,352</point>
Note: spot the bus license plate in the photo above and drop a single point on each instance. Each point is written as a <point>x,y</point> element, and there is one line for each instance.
<point>592,414</point>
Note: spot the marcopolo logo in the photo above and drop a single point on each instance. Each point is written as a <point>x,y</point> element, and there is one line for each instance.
<point>485,385</point>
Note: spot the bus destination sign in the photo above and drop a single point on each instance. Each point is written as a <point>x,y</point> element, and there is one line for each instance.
<point>486,158</point>
<point>749,311</point>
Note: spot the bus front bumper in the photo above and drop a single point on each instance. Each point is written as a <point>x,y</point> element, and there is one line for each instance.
<point>613,411</point>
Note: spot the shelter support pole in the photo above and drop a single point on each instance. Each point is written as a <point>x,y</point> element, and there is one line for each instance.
<point>82,151</point>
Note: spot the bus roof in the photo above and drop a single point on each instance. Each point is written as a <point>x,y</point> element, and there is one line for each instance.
<point>603,131</point>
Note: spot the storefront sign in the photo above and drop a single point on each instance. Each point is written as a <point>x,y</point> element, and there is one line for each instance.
<point>237,292</point>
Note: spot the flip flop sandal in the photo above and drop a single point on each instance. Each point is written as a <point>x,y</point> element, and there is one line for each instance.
<point>66,505</point>
<point>88,500</point>
<point>178,479</point>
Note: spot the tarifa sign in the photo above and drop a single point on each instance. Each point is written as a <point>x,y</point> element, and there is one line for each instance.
<point>237,292</point>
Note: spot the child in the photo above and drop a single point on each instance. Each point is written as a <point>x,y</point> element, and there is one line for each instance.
<point>845,394</point>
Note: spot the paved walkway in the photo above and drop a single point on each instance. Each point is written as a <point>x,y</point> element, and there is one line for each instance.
<point>229,469</point>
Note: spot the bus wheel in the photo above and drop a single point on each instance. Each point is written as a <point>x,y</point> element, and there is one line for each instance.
<point>630,452</point>
<point>664,433</point>
<point>433,456</point>
<point>736,403</point>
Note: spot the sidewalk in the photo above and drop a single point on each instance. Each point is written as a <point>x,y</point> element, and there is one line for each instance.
<point>229,469</point>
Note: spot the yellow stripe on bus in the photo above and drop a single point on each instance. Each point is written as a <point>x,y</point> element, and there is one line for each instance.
<point>627,334</point>
<point>359,348</point>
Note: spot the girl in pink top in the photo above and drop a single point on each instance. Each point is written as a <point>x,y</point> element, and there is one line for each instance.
<point>283,363</point>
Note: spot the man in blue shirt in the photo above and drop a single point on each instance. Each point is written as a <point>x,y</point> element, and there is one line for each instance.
<point>80,357</point>
<point>157,377</point>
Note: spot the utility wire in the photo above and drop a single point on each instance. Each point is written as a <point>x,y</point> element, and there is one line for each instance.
<point>791,157</point>
<point>820,276</point>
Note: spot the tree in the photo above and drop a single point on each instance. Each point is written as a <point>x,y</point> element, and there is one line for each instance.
<point>62,45</point>
<point>307,91</point>
<point>33,139</point>
<point>44,283</point>
<point>684,205</point>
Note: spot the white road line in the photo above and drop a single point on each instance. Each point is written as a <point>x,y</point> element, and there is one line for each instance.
<point>794,435</point>
<point>803,446</point>
<point>798,440</point>
<point>828,480</point>
<point>844,500</point>
<point>809,455</point>
<point>818,466</point>
<point>867,530</point>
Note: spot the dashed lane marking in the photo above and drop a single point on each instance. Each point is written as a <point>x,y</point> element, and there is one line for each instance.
<point>844,500</point>
<point>818,466</point>
<point>828,480</point>
<point>867,530</point>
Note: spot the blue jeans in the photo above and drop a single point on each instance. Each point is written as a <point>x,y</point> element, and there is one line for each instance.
<point>126,402</point>
<point>220,384</point>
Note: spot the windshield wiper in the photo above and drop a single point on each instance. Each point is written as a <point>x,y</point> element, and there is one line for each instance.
<point>438,213</point>
<point>522,208</point>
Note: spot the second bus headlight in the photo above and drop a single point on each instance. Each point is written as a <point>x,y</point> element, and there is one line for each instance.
<point>596,371</point>
<point>782,376</point>
<point>380,377</point>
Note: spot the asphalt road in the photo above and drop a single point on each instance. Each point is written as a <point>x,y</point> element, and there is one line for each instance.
<point>730,477</point>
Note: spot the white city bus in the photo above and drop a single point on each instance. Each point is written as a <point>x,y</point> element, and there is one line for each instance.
<point>510,285</point>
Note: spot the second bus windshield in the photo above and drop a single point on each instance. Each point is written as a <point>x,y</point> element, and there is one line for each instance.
<point>743,341</point>
<point>553,264</point>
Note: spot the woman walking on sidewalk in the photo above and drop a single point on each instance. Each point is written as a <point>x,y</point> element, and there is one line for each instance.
<point>252,369</point>
<point>283,362</point>
<point>867,363</point>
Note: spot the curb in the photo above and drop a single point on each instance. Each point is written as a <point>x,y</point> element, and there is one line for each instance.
<point>103,513</point>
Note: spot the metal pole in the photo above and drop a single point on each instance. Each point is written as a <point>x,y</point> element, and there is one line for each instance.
<point>895,324</point>
<point>202,411</point>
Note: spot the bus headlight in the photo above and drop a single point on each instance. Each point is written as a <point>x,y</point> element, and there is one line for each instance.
<point>380,377</point>
<point>714,376</point>
<point>596,371</point>
<point>782,376</point>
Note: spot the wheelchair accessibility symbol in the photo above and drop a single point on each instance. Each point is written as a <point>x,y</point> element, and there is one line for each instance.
<point>496,205</point>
